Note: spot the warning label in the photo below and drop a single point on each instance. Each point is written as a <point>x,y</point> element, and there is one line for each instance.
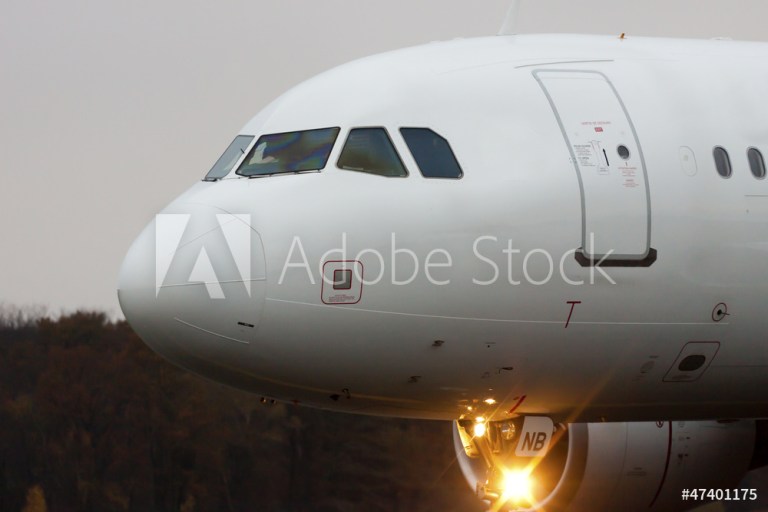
<point>585,155</point>
<point>340,299</point>
<point>630,177</point>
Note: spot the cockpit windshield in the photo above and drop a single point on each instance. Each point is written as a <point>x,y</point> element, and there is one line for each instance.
<point>289,152</point>
<point>230,157</point>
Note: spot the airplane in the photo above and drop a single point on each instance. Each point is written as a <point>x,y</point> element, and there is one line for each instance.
<point>557,242</point>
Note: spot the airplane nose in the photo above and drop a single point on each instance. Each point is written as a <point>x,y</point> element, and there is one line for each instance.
<point>192,285</point>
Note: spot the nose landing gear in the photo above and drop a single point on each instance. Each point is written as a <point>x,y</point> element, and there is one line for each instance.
<point>512,452</point>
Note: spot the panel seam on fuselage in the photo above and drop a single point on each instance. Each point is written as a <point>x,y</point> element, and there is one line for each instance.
<point>473,319</point>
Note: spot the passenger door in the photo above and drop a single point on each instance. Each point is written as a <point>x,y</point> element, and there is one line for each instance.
<point>608,160</point>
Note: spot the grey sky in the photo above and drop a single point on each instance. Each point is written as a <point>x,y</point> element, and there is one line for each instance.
<point>109,109</point>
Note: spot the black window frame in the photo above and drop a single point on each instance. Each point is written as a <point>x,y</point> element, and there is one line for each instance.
<point>754,151</point>
<point>720,150</point>
<point>392,144</point>
<point>416,160</point>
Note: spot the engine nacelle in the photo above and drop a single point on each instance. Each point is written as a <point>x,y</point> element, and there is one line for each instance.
<point>626,466</point>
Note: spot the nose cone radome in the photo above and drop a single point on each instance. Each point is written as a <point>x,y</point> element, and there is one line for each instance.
<point>193,283</point>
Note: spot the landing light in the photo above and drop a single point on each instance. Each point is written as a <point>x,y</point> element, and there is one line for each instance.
<point>517,486</point>
<point>479,428</point>
<point>490,401</point>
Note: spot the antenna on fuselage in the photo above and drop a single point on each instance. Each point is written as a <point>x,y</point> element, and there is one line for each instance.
<point>509,27</point>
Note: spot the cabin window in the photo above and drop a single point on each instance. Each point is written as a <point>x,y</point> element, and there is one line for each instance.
<point>289,152</point>
<point>432,153</point>
<point>371,150</point>
<point>227,161</point>
<point>722,162</point>
<point>756,163</point>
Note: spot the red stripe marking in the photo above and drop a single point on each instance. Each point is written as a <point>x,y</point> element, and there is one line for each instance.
<point>520,401</point>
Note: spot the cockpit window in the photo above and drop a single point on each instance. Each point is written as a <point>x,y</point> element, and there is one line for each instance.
<point>289,152</point>
<point>432,153</point>
<point>230,157</point>
<point>370,150</point>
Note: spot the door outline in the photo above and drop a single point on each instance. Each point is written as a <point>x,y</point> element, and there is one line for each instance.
<point>645,259</point>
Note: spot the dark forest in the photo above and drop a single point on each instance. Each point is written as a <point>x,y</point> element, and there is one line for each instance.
<point>92,420</point>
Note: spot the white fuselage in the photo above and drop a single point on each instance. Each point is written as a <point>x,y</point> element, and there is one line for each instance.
<point>501,317</point>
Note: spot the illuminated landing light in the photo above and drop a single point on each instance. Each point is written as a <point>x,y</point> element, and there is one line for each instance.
<point>490,401</point>
<point>517,487</point>
<point>479,428</point>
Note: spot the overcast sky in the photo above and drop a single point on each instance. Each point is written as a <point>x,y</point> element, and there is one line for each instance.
<point>109,109</point>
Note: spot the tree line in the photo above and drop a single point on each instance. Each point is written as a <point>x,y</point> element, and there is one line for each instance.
<point>92,420</point>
